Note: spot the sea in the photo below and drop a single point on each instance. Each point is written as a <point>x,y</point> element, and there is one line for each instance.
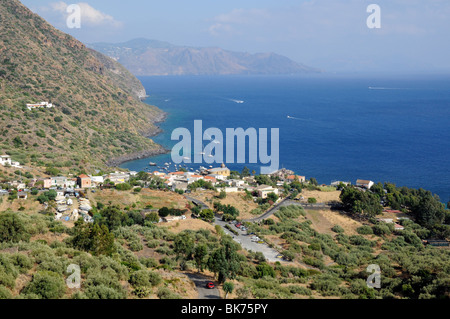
<point>331,127</point>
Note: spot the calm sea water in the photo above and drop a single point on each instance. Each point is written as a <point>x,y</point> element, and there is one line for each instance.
<point>382,129</point>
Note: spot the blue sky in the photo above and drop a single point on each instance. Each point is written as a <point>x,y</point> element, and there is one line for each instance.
<point>328,34</point>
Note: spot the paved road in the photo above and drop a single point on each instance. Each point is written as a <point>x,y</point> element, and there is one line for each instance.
<point>246,242</point>
<point>197,202</point>
<point>200,282</point>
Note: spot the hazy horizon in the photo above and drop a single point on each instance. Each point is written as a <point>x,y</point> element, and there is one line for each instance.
<point>331,35</point>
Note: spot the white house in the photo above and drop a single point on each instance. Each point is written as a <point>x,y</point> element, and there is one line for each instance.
<point>364,183</point>
<point>97,180</point>
<point>265,190</point>
<point>40,106</point>
<point>230,189</point>
<point>5,160</point>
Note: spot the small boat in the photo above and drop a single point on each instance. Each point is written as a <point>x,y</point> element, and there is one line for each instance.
<point>152,164</point>
<point>166,164</point>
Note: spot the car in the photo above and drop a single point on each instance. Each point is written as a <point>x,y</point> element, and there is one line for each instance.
<point>260,242</point>
<point>210,285</point>
<point>280,256</point>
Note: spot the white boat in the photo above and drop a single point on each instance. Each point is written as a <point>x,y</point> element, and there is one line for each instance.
<point>152,164</point>
<point>166,164</point>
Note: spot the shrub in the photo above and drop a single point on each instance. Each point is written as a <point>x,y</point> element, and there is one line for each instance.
<point>381,230</point>
<point>13,228</point>
<point>46,285</point>
<point>104,292</point>
<point>165,293</point>
<point>364,230</point>
<point>338,229</point>
<point>5,293</point>
<point>312,200</point>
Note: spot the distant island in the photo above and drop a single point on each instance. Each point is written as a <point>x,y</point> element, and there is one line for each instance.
<point>145,57</point>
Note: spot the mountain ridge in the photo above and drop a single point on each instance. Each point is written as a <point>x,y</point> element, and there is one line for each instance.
<point>144,57</point>
<point>97,115</point>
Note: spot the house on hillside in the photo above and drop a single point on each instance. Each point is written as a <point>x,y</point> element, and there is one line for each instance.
<point>118,177</point>
<point>39,106</point>
<point>265,190</point>
<point>337,183</point>
<point>96,181</point>
<point>292,178</point>
<point>364,183</point>
<point>180,185</point>
<point>84,181</point>
<point>210,179</point>
<point>5,160</point>
<point>47,183</point>
<point>224,171</point>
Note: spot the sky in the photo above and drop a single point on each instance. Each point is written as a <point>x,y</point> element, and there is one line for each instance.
<point>333,35</point>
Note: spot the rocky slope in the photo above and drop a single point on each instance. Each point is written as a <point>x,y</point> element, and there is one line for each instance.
<point>97,114</point>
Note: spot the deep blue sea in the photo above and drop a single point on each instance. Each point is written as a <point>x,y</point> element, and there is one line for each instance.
<point>394,129</point>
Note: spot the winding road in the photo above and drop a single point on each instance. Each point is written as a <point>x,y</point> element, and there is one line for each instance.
<point>200,282</point>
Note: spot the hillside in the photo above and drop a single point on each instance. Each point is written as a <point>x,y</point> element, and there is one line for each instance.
<point>149,57</point>
<point>97,116</point>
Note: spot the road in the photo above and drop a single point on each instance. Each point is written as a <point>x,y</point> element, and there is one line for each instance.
<point>287,202</point>
<point>243,239</point>
<point>200,282</point>
<point>246,242</point>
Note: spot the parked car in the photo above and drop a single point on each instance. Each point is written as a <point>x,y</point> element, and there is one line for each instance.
<point>210,285</point>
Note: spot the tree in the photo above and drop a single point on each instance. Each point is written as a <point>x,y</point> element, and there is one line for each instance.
<point>222,195</point>
<point>200,254</point>
<point>228,287</point>
<point>312,200</point>
<point>13,228</point>
<point>184,245</point>
<point>152,217</point>
<point>245,172</point>
<point>163,212</point>
<point>113,217</point>
<point>93,238</point>
<point>224,261</point>
<point>207,215</point>
<point>313,181</point>
<point>272,197</point>
<point>429,211</point>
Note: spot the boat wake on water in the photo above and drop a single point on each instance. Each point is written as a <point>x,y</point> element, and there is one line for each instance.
<point>297,118</point>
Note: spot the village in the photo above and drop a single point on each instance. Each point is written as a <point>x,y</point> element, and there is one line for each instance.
<point>72,202</point>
